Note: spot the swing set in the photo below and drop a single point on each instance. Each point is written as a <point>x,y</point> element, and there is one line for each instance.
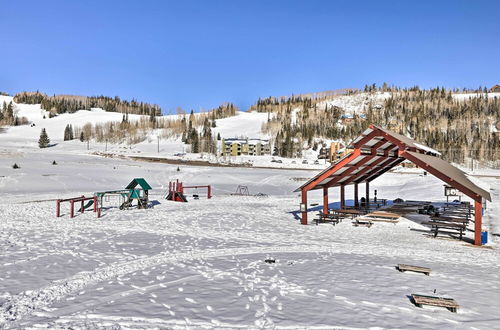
<point>176,191</point>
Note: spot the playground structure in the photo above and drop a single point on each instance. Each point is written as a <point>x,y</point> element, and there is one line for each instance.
<point>81,199</point>
<point>127,197</point>
<point>176,191</point>
<point>242,191</point>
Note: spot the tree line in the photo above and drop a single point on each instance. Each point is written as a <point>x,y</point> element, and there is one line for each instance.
<point>458,128</point>
<point>57,104</point>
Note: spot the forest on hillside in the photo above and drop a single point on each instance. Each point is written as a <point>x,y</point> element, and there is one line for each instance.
<point>193,129</point>
<point>458,128</point>
<point>57,104</point>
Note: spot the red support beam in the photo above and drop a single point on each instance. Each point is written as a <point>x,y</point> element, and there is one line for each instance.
<point>375,169</point>
<point>354,177</point>
<point>342,197</point>
<point>356,200</point>
<point>478,214</point>
<point>349,170</point>
<point>325,200</point>
<point>58,208</point>
<point>304,202</point>
<point>366,138</point>
<point>72,212</point>
<point>382,171</point>
<point>353,155</point>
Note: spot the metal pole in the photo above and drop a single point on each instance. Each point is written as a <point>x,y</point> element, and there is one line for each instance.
<point>356,200</point>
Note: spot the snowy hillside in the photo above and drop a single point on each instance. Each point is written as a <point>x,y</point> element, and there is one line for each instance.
<point>356,103</point>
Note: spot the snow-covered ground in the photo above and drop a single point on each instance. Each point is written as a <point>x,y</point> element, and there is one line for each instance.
<point>466,96</point>
<point>201,264</point>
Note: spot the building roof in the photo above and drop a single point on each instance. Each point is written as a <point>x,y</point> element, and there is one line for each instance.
<point>139,181</point>
<point>451,171</point>
<point>378,150</point>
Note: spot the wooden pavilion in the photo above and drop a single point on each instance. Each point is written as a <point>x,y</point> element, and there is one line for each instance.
<point>375,152</point>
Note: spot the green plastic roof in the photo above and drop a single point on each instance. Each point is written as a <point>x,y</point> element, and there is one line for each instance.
<point>139,181</point>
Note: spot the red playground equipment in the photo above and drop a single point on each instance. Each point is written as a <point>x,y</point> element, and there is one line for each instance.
<point>176,191</point>
<point>92,201</point>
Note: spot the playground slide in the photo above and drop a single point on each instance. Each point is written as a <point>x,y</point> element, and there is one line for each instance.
<point>86,206</point>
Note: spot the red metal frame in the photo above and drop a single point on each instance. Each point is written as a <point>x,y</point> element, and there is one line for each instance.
<point>72,202</point>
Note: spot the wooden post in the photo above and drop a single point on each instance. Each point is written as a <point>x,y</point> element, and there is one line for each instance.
<point>325,200</point>
<point>72,204</point>
<point>209,194</point>
<point>478,214</point>
<point>356,200</point>
<point>367,194</point>
<point>342,196</point>
<point>95,203</point>
<point>58,208</point>
<point>304,201</point>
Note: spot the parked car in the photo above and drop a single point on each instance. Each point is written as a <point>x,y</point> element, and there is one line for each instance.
<point>279,161</point>
<point>316,162</point>
<point>305,161</point>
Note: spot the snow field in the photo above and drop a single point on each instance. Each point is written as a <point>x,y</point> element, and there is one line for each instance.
<point>201,264</point>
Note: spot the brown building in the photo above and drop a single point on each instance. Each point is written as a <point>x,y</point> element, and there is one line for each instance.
<point>495,89</point>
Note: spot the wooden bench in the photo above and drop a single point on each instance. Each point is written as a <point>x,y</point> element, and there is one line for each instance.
<point>437,225</point>
<point>448,303</point>
<point>361,221</point>
<point>416,269</point>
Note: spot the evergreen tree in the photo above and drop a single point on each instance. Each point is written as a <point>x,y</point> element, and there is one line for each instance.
<point>43,141</point>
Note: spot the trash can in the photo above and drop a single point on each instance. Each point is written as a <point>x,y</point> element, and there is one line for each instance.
<point>484,237</point>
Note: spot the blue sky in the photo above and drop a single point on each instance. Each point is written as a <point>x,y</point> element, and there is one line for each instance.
<point>198,54</point>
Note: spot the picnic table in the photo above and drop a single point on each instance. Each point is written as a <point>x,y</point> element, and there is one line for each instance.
<point>362,221</point>
<point>437,225</point>
<point>334,219</point>
<point>345,213</point>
